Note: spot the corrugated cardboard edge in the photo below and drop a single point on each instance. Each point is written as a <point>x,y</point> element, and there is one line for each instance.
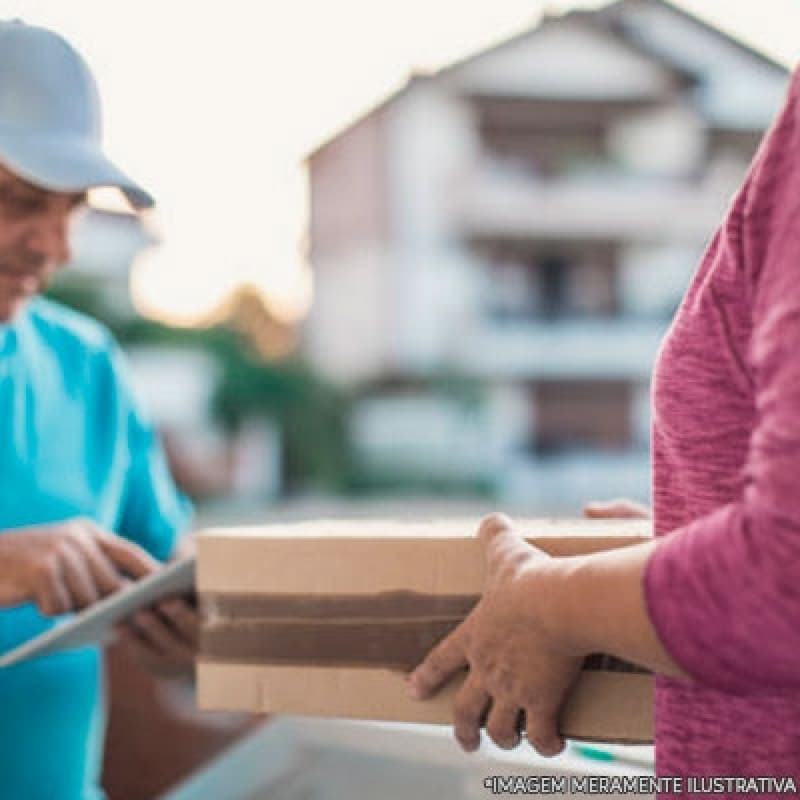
<point>446,556</point>
<point>602,706</point>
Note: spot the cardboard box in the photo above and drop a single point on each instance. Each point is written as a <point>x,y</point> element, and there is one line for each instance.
<point>323,618</point>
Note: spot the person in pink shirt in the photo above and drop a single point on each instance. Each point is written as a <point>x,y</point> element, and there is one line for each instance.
<point>712,604</point>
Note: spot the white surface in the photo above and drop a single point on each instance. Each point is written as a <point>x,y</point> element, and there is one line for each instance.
<point>300,759</point>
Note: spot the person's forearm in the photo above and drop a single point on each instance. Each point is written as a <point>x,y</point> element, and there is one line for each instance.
<point>596,604</point>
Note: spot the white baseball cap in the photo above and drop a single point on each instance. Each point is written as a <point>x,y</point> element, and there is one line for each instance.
<point>50,119</point>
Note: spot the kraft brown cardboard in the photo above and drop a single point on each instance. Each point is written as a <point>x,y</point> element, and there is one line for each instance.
<point>344,563</point>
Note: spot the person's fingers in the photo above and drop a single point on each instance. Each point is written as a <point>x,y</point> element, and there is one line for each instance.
<point>106,578</point>
<point>142,650</point>
<point>541,730</point>
<point>618,508</point>
<point>126,635</point>
<point>469,711</point>
<point>503,725</point>
<point>77,577</point>
<point>125,555</point>
<point>157,633</point>
<point>446,658</point>
<point>182,617</point>
<point>52,595</point>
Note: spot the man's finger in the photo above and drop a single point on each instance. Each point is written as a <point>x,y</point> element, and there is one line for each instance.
<point>439,665</point>
<point>142,650</point>
<point>77,577</point>
<point>182,617</point>
<point>106,578</point>
<point>158,634</point>
<point>126,556</point>
<point>144,627</point>
<point>52,595</point>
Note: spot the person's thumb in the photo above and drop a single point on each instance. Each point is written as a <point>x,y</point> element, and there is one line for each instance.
<point>503,547</point>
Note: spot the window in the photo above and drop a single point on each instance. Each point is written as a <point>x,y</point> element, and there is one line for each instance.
<point>579,415</point>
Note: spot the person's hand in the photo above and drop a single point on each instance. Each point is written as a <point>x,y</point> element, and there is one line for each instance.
<point>164,638</point>
<point>518,664</point>
<point>619,508</point>
<point>67,565</point>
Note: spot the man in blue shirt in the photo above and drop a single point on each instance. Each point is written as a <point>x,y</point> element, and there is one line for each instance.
<point>86,499</point>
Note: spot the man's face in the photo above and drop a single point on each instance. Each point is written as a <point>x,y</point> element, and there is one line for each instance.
<point>34,239</point>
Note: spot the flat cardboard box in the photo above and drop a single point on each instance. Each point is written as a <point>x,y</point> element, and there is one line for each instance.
<point>325,562</point>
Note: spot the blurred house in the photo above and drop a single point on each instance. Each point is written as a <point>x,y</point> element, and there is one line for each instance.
<point>530,217</point>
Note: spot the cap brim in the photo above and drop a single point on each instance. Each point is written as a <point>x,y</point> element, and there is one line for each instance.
<point>67,165</point>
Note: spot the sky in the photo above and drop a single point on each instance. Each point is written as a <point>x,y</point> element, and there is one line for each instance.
<point>213,106</point>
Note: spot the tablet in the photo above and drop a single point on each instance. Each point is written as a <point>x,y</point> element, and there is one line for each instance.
<point>94,624</point>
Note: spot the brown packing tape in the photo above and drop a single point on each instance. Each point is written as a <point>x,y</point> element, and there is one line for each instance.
<point>392,629</point>
<point>332,607</point>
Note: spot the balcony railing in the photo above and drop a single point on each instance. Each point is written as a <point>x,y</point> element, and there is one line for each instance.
<point>562,484</point>
<point>619,348</point>
<point>602,205</point>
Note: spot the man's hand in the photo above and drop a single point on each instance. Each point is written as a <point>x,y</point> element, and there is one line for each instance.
<point>67,565</point>
<point>163,638</point>
<point>518,664</point>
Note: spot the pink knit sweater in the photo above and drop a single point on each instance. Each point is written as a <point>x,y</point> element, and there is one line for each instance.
<point>723,590</point>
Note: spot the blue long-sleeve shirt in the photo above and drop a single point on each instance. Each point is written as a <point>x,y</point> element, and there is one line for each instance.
<point>73,443</point>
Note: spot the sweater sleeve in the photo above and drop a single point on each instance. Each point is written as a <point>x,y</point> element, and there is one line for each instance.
<point>723,592</point>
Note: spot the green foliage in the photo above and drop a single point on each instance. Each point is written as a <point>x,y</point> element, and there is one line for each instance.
<point>369,479</point>
<point>458,387</point>
<point>83,296</point>
<point>309,412</point>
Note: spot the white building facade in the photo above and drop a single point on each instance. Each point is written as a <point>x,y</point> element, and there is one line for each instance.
<point>530,218</point>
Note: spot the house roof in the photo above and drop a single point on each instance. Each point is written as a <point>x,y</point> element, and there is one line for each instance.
<point>610,21</point>
<point>372,110</point>
<point>729,38</point>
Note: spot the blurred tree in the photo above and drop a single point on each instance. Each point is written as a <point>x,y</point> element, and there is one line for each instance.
<point>309,412</point>
<point>82,295</point>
